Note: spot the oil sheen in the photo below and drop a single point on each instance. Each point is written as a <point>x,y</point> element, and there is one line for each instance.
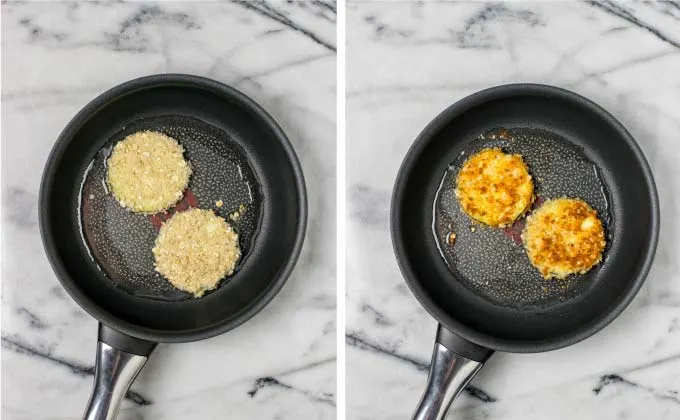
<point>492,262</point>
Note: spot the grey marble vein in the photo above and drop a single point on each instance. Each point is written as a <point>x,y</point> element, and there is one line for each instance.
<point>268,381</point>
<point>267,10</point>
<point>608,380</point>
<point>11,344</point>
<point>355,340</point>
<point>475,33</point>
<point>619,9</point>
<point>130,34</point>
<point>34,320</point>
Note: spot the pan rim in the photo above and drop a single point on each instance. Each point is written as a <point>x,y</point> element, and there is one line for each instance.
<point>423,139</point>
<point>52,164</point>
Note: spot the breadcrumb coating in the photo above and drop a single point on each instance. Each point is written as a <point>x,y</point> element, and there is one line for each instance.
<point>564,236</point>
<point>147,172</point>
<point>195,249</point>
<point>495,188</point>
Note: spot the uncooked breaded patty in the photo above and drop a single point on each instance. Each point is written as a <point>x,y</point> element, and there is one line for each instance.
<point>563,237</point>
<point>147,173</point>
<point>494,188</point>
<point>195,249</point>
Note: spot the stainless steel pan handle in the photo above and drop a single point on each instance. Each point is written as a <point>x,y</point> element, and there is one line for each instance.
<point>454,363</point>
<point>119,360</point>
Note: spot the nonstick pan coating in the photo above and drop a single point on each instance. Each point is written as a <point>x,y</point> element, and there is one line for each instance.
<point>101,253</point>
<point>121,241</point>
<point>483,287</point>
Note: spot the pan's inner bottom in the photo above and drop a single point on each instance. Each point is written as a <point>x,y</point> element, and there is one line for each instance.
<point>120,241</point>
<point>492,262</point>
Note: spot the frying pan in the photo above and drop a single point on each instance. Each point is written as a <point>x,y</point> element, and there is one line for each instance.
<point>482,289</point>
<point>101,253</point>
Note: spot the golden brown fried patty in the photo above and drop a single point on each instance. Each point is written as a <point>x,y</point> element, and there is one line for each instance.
<point>195,249</point>
<point>494,188</point>
<point>147,173</point>
<point>563,237</point>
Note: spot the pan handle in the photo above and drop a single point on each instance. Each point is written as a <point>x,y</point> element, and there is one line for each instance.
<point>455,362</point>
<point>120,358</point>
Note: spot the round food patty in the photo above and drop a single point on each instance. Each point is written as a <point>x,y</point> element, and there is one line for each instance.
<point>195,249</point>
<point>563,237</point>
<point>147,173</point>
<point>494,188</point>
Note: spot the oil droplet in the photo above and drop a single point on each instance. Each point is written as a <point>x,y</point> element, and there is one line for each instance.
<point>451,238</point>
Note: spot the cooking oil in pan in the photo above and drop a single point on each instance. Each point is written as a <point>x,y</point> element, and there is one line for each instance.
<point>492,262</point>
<point>120,241</point>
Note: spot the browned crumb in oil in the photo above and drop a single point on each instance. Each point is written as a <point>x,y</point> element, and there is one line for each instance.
<point>236,215</point>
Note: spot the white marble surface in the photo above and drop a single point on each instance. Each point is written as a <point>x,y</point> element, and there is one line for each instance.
<point>58,56</point>
<point>408,61</point>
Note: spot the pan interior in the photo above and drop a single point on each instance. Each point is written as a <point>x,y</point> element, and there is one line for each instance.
<point>577,149</point>
<point>120,241</point>
<point>223,133</point>
<point>492,262</point>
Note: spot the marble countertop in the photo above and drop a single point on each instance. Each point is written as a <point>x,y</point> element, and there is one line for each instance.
<point>58,56</point>
<point>406,62</point>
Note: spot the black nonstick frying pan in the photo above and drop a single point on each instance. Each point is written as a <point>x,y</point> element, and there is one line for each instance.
<point>481,288</point>
<point>101,253</point>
